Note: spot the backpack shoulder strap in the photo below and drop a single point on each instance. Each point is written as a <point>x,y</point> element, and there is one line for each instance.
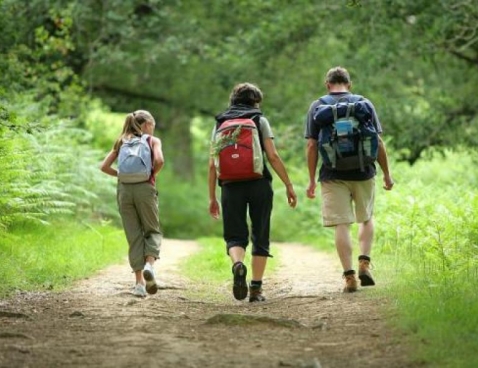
<point>328,100</point>
<point>332,100</point>
<point>257,120</point>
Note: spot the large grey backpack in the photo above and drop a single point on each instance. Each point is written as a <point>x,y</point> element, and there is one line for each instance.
<point>134,160</point>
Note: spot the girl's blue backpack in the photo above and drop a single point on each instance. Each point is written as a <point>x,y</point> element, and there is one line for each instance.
<point>134,160</point>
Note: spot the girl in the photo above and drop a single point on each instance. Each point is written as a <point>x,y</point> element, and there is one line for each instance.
<point>138,202</point>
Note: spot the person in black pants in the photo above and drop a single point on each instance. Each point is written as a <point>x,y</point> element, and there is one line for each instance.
<point>254,195</point>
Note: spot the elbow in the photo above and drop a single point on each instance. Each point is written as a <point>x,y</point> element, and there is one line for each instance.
<point>311,145</point>
<point>158,165</point>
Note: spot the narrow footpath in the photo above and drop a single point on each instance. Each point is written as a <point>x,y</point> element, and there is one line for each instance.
<point>305,322</point>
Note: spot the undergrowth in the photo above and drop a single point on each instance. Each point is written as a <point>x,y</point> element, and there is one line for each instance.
<point>38,257</point>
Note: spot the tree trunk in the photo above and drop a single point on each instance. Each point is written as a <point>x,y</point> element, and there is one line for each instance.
<point>177,145</point>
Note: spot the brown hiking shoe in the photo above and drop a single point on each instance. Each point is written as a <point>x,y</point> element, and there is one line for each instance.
<point>364,273</point>
<point>350,283</point>
<point>255,294</point>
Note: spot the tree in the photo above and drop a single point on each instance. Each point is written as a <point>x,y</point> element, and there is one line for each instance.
<point>414,59</point>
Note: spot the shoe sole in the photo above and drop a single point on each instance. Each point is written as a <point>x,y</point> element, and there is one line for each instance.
<point>151,286</point>
<point>239,289</point>
<point>256,299</point>
<point>366,280</point>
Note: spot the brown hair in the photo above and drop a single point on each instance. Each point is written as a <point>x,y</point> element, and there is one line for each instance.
<point>132,125</point>
<point>337,75</point>
<point>245,94</point>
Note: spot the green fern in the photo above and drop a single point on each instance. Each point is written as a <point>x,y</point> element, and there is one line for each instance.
<point>225,140</point>
<point>48,173</point>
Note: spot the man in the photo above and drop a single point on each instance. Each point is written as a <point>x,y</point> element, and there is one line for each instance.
<point>346,191</point>
<point>253,195</point>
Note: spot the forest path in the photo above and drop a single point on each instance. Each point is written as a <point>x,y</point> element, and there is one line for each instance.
<point>305,322</point>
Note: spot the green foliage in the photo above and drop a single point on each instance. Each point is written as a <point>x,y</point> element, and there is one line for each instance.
<point>183,207</point>
<point>51,257</point>
<point>130,54</point>
<point>282,49</point>
<point>416,61</point>
<point>47,168</point>
<point>104,126</point>
<point>35,73</point>
<point>49,173</point>
<point>426,243</point>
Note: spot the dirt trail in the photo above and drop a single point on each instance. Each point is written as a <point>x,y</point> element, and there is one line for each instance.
<point>305,322</point>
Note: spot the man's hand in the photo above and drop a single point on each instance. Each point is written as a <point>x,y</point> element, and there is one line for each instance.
<point>387,182</point>
<point>311,190</point>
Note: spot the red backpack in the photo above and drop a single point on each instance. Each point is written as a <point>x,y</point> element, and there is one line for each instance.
<point>237,150</point>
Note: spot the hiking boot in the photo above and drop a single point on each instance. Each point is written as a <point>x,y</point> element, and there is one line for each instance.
<point>239,288</point>
<point>139,291</point>
<point>148,274</point>
<point>255,294</point>
<point>364,274</point>
<point>350,282</point>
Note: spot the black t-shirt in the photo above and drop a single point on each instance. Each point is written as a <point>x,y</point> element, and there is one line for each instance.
<point>312,130</point>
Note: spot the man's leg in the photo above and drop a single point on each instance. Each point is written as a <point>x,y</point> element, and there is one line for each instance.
<point>364,197</point>
<point>343,243</point>
<point>337,211</point>
<point>365,235</point>
<point>366,230</point>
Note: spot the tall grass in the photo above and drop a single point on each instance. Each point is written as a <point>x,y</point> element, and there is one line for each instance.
<point>38,257</point>
<point>427,246</point>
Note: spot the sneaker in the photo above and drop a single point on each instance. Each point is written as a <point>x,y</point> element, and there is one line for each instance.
<point>364,274</point>
<point>350,283</point>
<point>239,288</point>
<point>139,291</point>
<point>148,274</point>
<point>255,294</point>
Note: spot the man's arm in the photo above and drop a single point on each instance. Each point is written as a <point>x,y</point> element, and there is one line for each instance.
<point>312,156</point>
<point>382,160</point>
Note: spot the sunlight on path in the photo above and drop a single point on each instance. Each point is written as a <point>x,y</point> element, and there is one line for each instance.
<point>118,278</point>
<point>304,271</point>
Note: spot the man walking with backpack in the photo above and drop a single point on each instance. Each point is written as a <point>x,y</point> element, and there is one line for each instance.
<point>240,137</point>
<point>347,141</point>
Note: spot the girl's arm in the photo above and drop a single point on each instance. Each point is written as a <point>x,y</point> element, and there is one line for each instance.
<point>158,158</point>
<point>107,162</point>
